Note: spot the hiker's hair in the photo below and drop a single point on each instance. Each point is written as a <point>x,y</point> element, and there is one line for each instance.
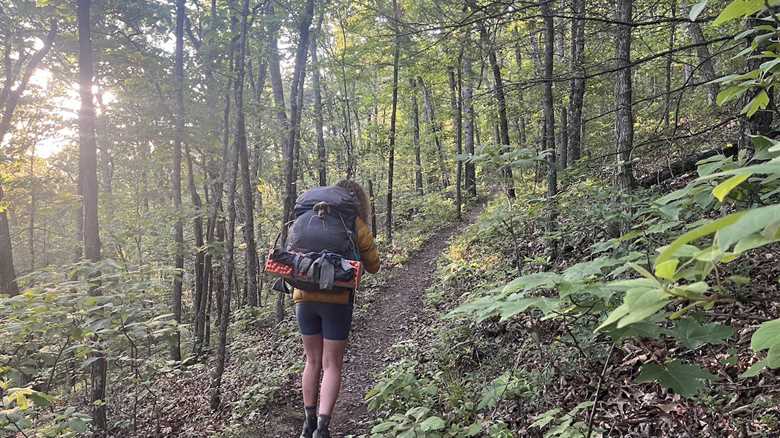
<point>360,194</point>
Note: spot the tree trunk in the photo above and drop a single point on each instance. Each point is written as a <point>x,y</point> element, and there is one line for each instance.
<point>178,233</point>
<point>457,121</point>
<point>391,155</point>
<point>322,157</point>
<point>372,200</point>
<point>468,125</point>
<point>89,191</point>
<point>7,275</point>
<point>248,190</point>
<point>498,91</point>
<point>521,121</point>
<point>9,99</point>
<point>624,121</point>
<point>577,95</point>
<point>228,265</point>
<point>669,62</point>
<point>706,63</point>
<point>415,115</point>
<point>549,125</point>
<point>564,138</point>
<point>33,209</point>
<point>430,118</point>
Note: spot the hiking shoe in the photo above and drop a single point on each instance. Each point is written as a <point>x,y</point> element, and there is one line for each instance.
<point>307,431</point>
<point>321,433</point>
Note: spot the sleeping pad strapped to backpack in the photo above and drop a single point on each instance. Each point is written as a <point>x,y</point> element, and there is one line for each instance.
<point>321,240</point>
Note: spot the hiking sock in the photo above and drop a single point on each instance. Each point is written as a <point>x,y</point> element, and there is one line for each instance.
<point>323,422</point>
<point>310,422</point>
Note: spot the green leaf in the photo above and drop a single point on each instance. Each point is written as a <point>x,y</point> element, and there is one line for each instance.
<point>723,189</point>
<point>697,9</point>
<point>432,423</point>
<point>383,427</point>
<point>473,430</point>
<point>728,94</point>
<point>767,335</point>
<point>759,102</point>
<point>683,379</point>
<point>748,222</point>
<point>667,269</point>
<point>692,334</point>
<point>738,9</point>
<point>754,369</point>
<point>697,233</point>
<point>638,304</point>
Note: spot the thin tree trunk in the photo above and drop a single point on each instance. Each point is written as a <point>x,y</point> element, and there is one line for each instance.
<point>322,157</point>
<point>707,65</point>
<point>415,116</point>
<point>290,152</point>
<point>33,209</point>
<point>9,99</point>
<point>372,200</point>
<point>248,186</point>
<point>577,95</point>
<point>522,124</point>
<point>457,121</point>
<point>232,170</point>
<point>178,233</point>
<point>89,192</point>
<point>624,119</point>
<point>468,124</point>
<point>430,118</point>
<point>564,138</point>
<point>669,62</point>
<point>391,155</point>
<point>498,91</point>
<point>549,125</point>
<point>7,274</point>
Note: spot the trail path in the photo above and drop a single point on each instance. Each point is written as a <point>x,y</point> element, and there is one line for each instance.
<point>397,307</point>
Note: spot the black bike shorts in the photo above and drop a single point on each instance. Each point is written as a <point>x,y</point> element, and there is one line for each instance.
<point>332,321</point>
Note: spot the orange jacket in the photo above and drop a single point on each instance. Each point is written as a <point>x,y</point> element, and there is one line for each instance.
<point>369,256</point>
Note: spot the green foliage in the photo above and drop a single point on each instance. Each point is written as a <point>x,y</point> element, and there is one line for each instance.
<point>684,379</point>
<point>566,425</point>
<point>56,326</point>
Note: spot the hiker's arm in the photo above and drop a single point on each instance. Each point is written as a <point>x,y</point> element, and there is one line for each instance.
<point>369,255</point>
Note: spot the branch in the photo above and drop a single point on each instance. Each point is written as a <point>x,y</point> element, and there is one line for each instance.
<point>13,97</point>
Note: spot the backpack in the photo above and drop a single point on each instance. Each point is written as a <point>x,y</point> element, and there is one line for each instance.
<point>320,253</point>
<point>324,221</point>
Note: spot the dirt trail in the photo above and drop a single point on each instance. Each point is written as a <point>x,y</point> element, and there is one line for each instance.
<point>388,319</point>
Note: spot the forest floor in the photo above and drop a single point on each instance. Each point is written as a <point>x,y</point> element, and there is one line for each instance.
<point>389,315</point>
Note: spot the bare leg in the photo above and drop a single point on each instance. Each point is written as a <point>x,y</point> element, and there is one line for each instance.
<point>332,362</point>
<point>312,345</point>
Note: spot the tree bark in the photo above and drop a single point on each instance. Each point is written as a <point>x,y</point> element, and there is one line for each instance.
<point>231,177</point>
<point>9,100</point>
<point>415,116</point>
<point>430,118</point>
<point>178,233</point>
<point>577,94</point>
<point>89,192</point>
<point>391,154</point>
<point>549,124</point>
<point>498,91</point>
<point>322,157</point>
<point>457,121</point>
<point>707,65</point>
<point>468,125</point>
<point>248,186</point>
<point>624,119</point>
<point>669,62</point>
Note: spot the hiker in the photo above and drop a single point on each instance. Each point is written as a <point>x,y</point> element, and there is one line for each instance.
<point>325,319</point>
